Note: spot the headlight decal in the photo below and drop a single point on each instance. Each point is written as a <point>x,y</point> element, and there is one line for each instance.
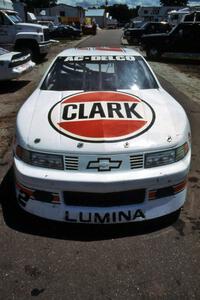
<point>160,158</point>
<point>182,151</point>
<point>43,160</point>
<point>47,160</point>
<point>157,159</point>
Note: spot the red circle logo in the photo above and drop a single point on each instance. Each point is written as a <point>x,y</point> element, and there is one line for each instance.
<point>101,116</point>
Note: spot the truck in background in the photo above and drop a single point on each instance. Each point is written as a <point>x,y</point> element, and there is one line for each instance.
<point>19,36</point>
<point>111,24</point>
<point>188,14</point>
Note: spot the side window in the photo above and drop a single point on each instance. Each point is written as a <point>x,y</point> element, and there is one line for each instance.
<point>1,19</point>
<point>189,18</point>
<point>197,17</point>
<point>4,20</point>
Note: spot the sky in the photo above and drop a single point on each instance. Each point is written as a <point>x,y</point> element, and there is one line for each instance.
<point>86,3</point>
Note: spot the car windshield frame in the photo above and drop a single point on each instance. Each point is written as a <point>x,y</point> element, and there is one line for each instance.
<point>14,17</point>
<point>106,74</point>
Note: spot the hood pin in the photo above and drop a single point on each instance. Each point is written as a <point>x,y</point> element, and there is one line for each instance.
<point>80,145</point>
<point>169,139</point>
<point>126,145</point>
<point>36,141</point>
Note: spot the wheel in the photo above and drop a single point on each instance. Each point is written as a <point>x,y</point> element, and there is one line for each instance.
<point>153,53</point>
<point>43,55</point>
<point>29,49</point>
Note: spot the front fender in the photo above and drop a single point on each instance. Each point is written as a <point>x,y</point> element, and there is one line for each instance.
<point>38,37</point>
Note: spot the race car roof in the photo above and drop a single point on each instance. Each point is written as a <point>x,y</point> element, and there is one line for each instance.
<point>98,51</point>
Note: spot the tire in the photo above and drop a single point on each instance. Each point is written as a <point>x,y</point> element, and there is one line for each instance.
<point>153,53</point>
<point>43,55</point>
<point>31,49</point>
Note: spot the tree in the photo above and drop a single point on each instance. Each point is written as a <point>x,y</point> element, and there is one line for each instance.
<point>121,12</point>
<point>174,2</point>
<point>31,4</point>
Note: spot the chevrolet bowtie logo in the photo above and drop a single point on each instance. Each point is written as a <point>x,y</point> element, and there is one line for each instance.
<point>104,164</point>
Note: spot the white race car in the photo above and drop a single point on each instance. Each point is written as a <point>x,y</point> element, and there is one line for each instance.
<point>100,141</point>
<point>14,64</point>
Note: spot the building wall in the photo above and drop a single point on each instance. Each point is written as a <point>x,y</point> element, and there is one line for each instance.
<point>100,21</point>
<point>153,13</point>
<point>67,13</point>
<point>6,4</point>
<point>97,15</point>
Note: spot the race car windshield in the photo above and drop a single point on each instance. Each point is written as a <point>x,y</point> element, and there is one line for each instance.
<point>67,73</point>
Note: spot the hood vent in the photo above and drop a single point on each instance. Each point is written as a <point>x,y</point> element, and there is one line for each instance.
<point>71,162</point>
<point>137,161</point>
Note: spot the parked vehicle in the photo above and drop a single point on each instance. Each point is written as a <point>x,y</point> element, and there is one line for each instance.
<point>175,16</point>
<point>183,38</point>
<point>100,141</point>
<point>23,37</point>
<point>89,29</point>
<point>65,31</point>
<point>133,24</point>
<point>183,15</point>
<point>14,64</point>
<point>48,24</point>
<point>133,35</point>
<point>111,24</point>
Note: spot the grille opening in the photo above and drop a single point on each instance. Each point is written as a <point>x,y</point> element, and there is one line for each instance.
<point>104,200</point>
<point>136,161</point>
<point>71,162</point>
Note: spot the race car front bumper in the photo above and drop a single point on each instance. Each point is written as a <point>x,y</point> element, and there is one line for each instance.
<point>116,197</point>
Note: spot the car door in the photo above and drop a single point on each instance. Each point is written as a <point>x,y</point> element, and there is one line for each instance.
<point>187,38</point>
<point>7,30</point>
<point>195,39</point>
<point>177,39</point>
<point>150,29</point>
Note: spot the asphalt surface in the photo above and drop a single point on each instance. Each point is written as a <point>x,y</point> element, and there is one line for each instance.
<point>158,260</point>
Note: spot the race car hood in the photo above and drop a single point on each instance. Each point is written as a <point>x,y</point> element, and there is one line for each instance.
<point>159,123</point>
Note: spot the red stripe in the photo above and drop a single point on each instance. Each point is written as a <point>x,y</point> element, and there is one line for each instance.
<point>108,49</point>
<point>101,96</point>
<point>180,187</point>
<point>102,128</point>
<point>27,191</point>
